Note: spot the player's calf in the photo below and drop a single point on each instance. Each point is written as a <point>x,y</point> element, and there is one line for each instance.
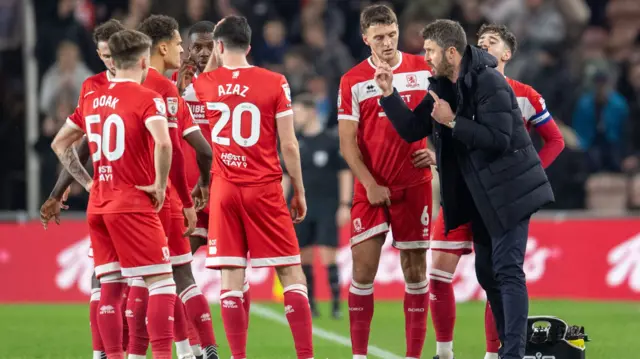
<point>366,257</point>
<point>136,316</point>
<point>94,303</point>
<point>160,314</point>
<point>234,317</point>
<point>197,308</point>
<point>296,308</point>
<point>416,304</point>
<point>442,300</point>
<point>110,313</point>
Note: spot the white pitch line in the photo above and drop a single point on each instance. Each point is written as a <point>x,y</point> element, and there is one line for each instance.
<point>267,313</point>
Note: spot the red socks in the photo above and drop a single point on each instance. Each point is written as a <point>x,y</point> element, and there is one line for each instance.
<point>246,299</point>
<point>199,314</point>
<point>161,317</point>
<point>416,308</point>
<point>443,305</point>
<point>136,315</point>
<point>298,313</point>
<point>94,303</point>
<point>490,331</point>
<point>234,319</point>
<point>125,326</point>
<point>360,316</point>
<point>110,315</point>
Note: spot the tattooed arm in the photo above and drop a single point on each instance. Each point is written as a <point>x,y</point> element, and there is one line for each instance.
<point>65,179</point>
<point>62,145</point>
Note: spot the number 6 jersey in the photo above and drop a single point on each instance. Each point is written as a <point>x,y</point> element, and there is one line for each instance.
<point>242,107</point>
<point>114,117</point>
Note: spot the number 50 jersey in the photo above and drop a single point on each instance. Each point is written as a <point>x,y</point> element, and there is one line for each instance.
<point>114,117</point>
<point>242,107</point>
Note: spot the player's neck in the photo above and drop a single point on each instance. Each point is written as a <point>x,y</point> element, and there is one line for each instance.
<point>157,62</point>
<point>133,75</point>
<point>234,60</point>
<point>500,67</point>
<point>312,128</point>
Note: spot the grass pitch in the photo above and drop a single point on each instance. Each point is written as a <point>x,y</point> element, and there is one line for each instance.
<point>62,331</point>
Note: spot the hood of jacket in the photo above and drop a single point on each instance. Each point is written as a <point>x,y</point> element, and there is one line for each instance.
<point>475,60</point>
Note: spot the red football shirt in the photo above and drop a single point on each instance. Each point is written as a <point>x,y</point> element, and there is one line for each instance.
<point>532,105</point>
<point>385,153</point>
<point>114,117</point>
<point>90,84</point>
<point>199,118</point>
<point>242,107</point>
<point>162,85</point>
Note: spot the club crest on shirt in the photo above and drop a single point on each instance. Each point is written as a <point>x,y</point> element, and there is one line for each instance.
<point>287,91</point>
<point>172,105</point>
<point>412,80</point>
<point>160,106</point>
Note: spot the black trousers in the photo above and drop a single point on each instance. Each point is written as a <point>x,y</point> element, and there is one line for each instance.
<point>499,269</point>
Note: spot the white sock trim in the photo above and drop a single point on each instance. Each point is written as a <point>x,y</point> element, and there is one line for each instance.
<point>233,293</point>
<point>190,292</point>
<point>163,286</point>
<point>491,356</point>
<point>245,287</point>
<point>133,356</point>
<point>444,350</point>
<point>360,289</point>
<point>183,349</point>
<point>97,354</point>
<point>417,288</point>
<point>95,295</point>
<point>440,275</point>
<point>112,278</point>
<point>297,288</point>
<point>197,350</point>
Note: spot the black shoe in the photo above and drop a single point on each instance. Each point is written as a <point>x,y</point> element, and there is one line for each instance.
<point>336,313</point>
<point>315,313</point>
<point>438,357</point>
<point>210,352</point>
<point>103,355</point>
<point>199,356</point>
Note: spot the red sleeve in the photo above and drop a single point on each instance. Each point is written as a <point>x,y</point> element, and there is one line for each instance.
<point>75,119</point>
<point>283,104</point>
<point>186,119</point>
<point>177,174</point>
<point>348,106</point>
<point>553,142</point>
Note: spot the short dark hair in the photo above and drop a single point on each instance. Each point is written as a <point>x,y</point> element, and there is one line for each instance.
<point>377,15</point>
<point>305,99</point>
<point>104,31</point>
<point>234,31</point>
<point>202,27</point>
<point>446,33</point>
<point>127,46</point>
<point>503,32</point>
<point>159,28</point>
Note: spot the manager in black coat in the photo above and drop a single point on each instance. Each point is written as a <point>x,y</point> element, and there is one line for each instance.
<point>490,173</point>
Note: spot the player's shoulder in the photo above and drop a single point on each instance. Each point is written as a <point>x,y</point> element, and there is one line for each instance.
<point>95,81</point>
<point>360,72</point>
<point>411,62</point>
<point>260,74</point>
<point>522,90</point>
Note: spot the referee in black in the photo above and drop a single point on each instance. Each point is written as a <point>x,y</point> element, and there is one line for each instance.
<point>329,186</point>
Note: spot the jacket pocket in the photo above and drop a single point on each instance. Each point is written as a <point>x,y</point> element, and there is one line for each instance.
<point>507,161</point>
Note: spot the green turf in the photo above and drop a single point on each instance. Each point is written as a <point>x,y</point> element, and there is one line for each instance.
<point>62,331</point>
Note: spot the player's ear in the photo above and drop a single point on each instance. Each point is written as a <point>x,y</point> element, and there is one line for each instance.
<point>365,40</point>
<point>162,48</point>
<point>248,50</point>
<point>506,55</point>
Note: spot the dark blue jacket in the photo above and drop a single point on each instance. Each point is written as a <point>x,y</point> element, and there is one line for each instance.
<point>488,158</point>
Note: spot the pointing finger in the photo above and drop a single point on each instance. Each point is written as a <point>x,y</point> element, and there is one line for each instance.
<point>435,97</point>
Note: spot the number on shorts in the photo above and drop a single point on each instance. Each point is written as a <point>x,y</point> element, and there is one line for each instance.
<point>236,123</point>
<point>425,216</point>
<point>102,140</point>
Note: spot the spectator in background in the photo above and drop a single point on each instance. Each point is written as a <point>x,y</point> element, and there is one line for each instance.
<point>599,120</point>
<point>138,11</point>
<point>631,163</point>
<point>194,11</point>
<point>53,29</point>
<point>272,48</point>
<point>66,75</point>
<point>296,69</point>
<point>411,40</point>
<point>319,11</point>
<point>317,86</point>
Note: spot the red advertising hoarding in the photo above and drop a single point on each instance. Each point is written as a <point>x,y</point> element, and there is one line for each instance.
<point>574,259</point>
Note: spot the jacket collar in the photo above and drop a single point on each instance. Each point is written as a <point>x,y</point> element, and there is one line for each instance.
<point>473,60</point>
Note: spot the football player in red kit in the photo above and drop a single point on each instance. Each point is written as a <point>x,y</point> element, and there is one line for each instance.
<point>51,208</point>
<point>250,109</point>
<point>165,54</point>
<point>392,189</point>
<point>127,129</point>
<point>447,249</point>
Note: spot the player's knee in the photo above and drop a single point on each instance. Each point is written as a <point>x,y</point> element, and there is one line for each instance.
<point>95,283</point>
<point>306,255</point>
<point>291,275</point>
<point>364,272</point>
<point>444,261</point>
<point>232,278</point>
<point>183,277</point>
<point>414,265</point>
<point>150,280</point>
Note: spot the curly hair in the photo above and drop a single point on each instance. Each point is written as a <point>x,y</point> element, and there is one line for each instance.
<point>159,28</point>
<point>104,31</point>
<point>503,32</point>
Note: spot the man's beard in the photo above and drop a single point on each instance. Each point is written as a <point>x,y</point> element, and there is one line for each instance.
<point>445,68</point>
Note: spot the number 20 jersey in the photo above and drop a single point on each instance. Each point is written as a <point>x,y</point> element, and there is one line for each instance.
<point>114,117</point>
<point>242,107</point>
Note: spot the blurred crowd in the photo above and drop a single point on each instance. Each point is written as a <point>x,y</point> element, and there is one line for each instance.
<point>583,56</point>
